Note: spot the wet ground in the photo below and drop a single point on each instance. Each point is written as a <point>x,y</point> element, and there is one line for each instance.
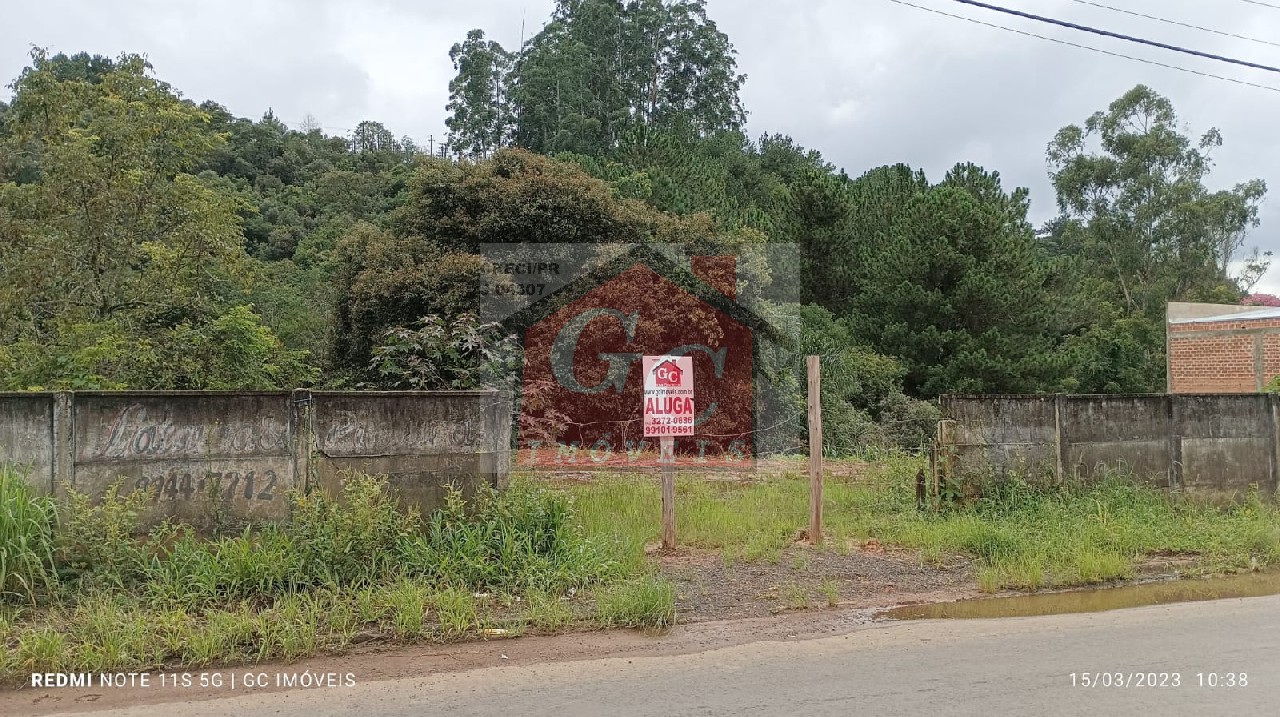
<point>1096,600</point>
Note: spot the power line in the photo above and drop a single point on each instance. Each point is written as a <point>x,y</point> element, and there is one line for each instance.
<point>1175,22</point>
<point>1108,33</point>
<point>1087,47</point>
<point>1263,4</point>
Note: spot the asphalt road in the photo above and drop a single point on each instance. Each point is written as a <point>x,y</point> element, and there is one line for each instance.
<point>1016,666</point>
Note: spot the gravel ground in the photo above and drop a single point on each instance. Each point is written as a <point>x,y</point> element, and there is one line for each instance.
<point>851,575</point>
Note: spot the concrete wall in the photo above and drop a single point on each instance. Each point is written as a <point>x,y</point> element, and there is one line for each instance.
<point>239,454</point>
<point>27,435</point>
<point>460,438</point>
<point>1211,445</point>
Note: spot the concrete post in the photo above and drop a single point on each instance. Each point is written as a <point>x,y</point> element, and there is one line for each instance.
<point>302,437</point>
<point>64,449</point>
<point>1059,445</point>
<point>1274,402</point>
<point>502,413</point>
<point>1175,441</point>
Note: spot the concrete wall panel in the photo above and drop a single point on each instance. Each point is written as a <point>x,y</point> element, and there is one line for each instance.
<point>236,456</point>
<point>1211,445</point>
<point>27,436</point>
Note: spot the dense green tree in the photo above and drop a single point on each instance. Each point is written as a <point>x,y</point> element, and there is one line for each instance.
<point>111,249</point>
<point>480,110</point>
<point>1135,207</point>
<point>385,282</point>
<point>956,289</point>
<point>520,197</point>
<point>844,227</point>
<point>603,73</point>
<point>1139,228</point>
<point>116,224</point>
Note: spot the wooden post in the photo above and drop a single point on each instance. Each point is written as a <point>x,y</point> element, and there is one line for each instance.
<point>667,458</point>
<point>815,451</point>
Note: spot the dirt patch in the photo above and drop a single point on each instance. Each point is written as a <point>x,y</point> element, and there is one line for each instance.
<point>709,587</point>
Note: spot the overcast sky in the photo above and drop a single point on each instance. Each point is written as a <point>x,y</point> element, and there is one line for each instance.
<point>866,82</point>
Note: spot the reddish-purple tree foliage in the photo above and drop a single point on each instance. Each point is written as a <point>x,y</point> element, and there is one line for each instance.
<point>1260,300</point>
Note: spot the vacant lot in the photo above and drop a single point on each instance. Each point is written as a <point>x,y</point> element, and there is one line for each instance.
<point>1018,537</point>
<point>556,554</point>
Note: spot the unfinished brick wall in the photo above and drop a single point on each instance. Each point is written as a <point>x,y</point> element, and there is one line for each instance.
<point>1227,356</point>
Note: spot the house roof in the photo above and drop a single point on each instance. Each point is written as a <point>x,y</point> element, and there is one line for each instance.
<point>664,267</point>
<point>1262,312</point>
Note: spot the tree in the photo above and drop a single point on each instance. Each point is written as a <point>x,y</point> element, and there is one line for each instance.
<point>1260,300</point>
<point>480,111</point>
<point>385,282</point>
<point>956,289</point>
<point>602,74</point>
<point>428,263</point>
<point>111,251</point>
<point>1138,211</point>
<point>520,197</point>
<point>1138,228</point>
<point>843,228</point>
<point>115,226</point>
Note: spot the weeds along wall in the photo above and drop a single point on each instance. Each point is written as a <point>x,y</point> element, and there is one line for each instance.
<point>1211,445</point>
<point>235,456</point>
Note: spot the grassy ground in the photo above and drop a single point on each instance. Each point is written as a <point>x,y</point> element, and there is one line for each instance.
<point>1022,537</point>
<point>77,594</point>
<point>85,596</point>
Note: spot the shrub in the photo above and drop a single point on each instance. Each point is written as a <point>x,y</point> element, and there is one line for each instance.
<point>524,538</point>
<point>99,541</point>
<point>354,540</point>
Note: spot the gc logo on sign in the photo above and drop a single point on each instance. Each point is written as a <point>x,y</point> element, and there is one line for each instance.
<point>667,373</point>
<point>668,396</point>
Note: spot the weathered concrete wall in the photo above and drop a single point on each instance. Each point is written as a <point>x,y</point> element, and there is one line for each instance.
<point>1129,434</point>
<point>1010,432</point>
<point>460,438</point>
<point>26,436</point>
<point>1211,445</point>
<point>239,454</point>
<point>1226,442</point>
<point>196,450</point>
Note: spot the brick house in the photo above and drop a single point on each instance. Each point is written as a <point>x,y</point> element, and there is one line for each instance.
<point>1221,348</point>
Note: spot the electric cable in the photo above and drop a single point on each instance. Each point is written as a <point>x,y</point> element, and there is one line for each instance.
<point>1175,22</point>
<point>1118,36</point>
<point>1088,47</point>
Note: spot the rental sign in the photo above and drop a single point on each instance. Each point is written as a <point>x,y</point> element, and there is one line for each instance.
<point>668,396</point>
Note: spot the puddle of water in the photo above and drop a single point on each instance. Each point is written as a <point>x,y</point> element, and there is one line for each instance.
<point>1097,600</point>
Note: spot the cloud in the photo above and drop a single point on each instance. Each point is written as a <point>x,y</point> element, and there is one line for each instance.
<point>866,83</point>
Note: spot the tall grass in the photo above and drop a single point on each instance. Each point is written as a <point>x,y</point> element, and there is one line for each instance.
<point>27,534</point>
<point>341,565</point>
<point>648,601</point>
<point>527,538</point>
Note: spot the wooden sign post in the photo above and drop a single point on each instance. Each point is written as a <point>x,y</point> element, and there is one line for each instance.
<point>815,450</point>
<point>668,460</point>
<point>668,412</point>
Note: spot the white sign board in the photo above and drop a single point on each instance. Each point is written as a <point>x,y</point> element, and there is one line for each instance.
<point>668,396</point>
